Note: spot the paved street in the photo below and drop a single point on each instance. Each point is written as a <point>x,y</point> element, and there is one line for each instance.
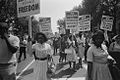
<point>26,68</point>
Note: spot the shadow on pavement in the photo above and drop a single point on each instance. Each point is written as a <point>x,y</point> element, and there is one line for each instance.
<point>64,73</point>
<point>60,66</point>
<point>68,73</point>
<point>29,71</point>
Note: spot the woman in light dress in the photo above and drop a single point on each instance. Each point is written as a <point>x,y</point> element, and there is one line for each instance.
<point>42,52</point>
<point>97,57</point>
<point>81,48</point>
<point>71,57</point>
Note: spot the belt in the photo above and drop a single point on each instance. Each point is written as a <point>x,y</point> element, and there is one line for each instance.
<point>7,64</point>
<point>42,59</point>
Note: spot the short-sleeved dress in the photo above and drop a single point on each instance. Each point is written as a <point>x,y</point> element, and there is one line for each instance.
<point>80,47</point>
<point>72,55</point>
<point>98,57</point>
<point>41,51</point>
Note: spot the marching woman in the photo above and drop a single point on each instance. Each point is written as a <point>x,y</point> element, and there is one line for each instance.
<point>81,48</point>
<point>71,57</point>
<point>97,58</point>
<point>42,51</point>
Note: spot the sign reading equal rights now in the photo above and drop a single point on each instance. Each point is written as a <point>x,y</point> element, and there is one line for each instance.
<point>27,7</point>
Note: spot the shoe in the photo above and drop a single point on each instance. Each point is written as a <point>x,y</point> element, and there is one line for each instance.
<point>75,70</point>
<point>70,68</point>
<point>19,61</point>
<point>24,58</point>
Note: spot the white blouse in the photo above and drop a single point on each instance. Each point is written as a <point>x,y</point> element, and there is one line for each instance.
<point>42,50</point>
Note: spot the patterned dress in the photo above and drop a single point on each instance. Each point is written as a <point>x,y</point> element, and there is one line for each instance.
<point>80,47</point>
<point>71,56</point>
<point>41,51</point>
<point>98,57</point>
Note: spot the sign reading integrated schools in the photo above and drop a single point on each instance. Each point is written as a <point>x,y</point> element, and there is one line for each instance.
<point>27,7</point>
<point>84,23</point>
<point>106,23</point>
<point>71,19</point>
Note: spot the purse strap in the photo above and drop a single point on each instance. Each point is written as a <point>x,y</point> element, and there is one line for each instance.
<point>113,46</point>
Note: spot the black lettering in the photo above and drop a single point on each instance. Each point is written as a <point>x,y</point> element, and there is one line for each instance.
<point>20,0</point>
<point>29,8</point>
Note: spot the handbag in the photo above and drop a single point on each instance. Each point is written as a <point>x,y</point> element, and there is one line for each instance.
<point>115,71</point>
<point>51,66</point>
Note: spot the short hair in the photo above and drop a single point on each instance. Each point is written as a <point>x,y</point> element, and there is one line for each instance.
<point>97,34</point>
<point>40,33</point>
<point>3,27</point>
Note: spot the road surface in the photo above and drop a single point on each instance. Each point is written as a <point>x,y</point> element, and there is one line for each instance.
<point>25,70</point>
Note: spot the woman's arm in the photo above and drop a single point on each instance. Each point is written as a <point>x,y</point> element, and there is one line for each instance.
<point>90,70</point>
<point>11,47</point>
<point>90,61</point>
<point>111,47</point>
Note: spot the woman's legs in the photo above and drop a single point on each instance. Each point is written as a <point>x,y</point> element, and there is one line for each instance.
<point>70,64</point>
<point>74,65</point>
<point>80,62</point>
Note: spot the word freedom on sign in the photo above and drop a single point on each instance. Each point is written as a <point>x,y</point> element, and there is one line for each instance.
<point>29,8</point>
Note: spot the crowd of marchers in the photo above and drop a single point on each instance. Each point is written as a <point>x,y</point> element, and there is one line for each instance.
<point>98,50</point>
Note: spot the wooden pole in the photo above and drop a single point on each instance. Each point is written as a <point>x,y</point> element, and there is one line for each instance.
<point>29,50</point>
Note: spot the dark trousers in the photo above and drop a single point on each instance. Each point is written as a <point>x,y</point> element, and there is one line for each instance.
<point>55,50</point>
<point>74,64</point>
<point>22,52</point>
<point>62,57</point>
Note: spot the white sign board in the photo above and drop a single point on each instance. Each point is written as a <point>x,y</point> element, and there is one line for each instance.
<point>71,19</point>
<point>45,24</point>
<point>84,23</point>
<point>28,7</point>
<point>106,23</point>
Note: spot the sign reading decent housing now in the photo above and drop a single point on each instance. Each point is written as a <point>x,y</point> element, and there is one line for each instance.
<point>84,23</point>
<point>27,7</point>
<point>45,25</point>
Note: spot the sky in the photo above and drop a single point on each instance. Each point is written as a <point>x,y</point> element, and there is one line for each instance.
<point>56,10</point>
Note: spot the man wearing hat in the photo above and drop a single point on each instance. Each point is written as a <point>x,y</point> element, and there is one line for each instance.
<point>8,47</point>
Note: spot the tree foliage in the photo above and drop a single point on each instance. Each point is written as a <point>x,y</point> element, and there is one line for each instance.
<point>8,13</point>
<point>97,8</point>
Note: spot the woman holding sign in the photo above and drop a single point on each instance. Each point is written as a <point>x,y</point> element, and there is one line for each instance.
<point>71,53</point>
